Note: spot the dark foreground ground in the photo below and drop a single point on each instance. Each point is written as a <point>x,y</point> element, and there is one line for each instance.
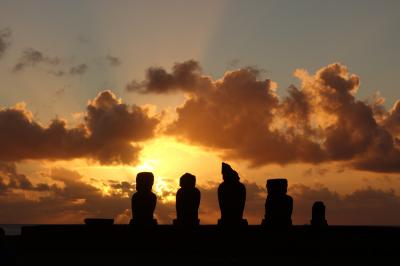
<point>206,245</point>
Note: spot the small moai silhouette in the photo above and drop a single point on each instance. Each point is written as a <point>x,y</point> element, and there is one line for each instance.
<point>187,201</point>
<point>278,205</point>
<point>231,197</point>
<point>144,200</point>
<point>318,215</point>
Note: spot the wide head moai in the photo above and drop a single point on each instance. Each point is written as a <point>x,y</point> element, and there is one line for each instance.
<point>187,201</point>
<point>318,215</point>
<point>278,205</point>
<point>231,197</point>
<point>144,200</point>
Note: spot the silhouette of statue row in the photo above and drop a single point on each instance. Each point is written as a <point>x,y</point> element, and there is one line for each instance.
<point>231,199</point>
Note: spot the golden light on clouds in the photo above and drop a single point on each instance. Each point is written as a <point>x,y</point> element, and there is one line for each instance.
<point>166,157</point>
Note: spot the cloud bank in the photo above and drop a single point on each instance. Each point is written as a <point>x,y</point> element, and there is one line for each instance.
<point>109,133</point>
<point>319,121</point>
<point>69,198</point>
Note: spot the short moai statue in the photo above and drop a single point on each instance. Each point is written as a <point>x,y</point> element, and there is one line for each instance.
<point>318,215</point>
<point>187,202</point>
<point>278,205</point>
<point>231,198</point>
<point>144,200</point>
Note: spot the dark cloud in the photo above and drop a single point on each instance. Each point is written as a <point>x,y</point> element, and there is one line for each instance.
<point>32,57</point>
<point>70,202</point>
<point>109,134</point>
<point>241,115</point>
<point>113,60</point>
<point>11,179</point>
<point>78,69</point>
<point>5,36</point>
<point>185,76</point>
<point>133,86</point>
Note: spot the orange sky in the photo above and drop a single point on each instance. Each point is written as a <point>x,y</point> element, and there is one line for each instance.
<point>87,166</point>
<point>93,93</point>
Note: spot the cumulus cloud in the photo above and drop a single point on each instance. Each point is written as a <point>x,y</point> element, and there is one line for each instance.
<point>5,36</point>
<point>236,115</point>
<point>242,116</point>
<point>32,57</point>
<point>109,133</point>
<point>78,69</point>
<point>185,76</point>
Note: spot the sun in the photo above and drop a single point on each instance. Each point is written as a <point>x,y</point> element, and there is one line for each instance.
<point>167,158</point>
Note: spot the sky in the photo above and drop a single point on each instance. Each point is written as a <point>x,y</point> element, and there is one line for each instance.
<point>93,92</point>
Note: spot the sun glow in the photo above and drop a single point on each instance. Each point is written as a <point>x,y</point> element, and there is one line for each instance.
<point>167,158</point>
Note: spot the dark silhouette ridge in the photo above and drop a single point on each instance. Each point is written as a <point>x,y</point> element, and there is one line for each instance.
<point>318,215</point>
<point>278,205</point>
<point>207,245</point>
<point>187,202</point>
<point>231,198</point>
<point>99,222</point>
<point>144,200</point>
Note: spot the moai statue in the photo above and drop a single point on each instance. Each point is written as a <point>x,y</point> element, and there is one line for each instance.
<point>279,205</point>
<point>231,198</point>
<point>144,200</point>
<point>318,215</point>
<point>187,202</point>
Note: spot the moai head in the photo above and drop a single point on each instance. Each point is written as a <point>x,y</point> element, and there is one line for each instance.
<point>187,181</point>
<point>277,186</point>
<point>318,210</point>
<point>144,181</point>
<point>228,174</point>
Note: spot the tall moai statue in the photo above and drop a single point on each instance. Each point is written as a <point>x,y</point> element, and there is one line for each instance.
<point>318,215</point>
<point>279,205</point>
<point>144,200</point>
<point>231,198</point>
<point>187,202</point>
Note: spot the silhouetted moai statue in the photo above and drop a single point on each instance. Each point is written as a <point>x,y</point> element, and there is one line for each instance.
<point>231,197</point>
<point>144,200</point>
<point>278,206</point>
<point>187,201</point>
<point>318,215</point>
